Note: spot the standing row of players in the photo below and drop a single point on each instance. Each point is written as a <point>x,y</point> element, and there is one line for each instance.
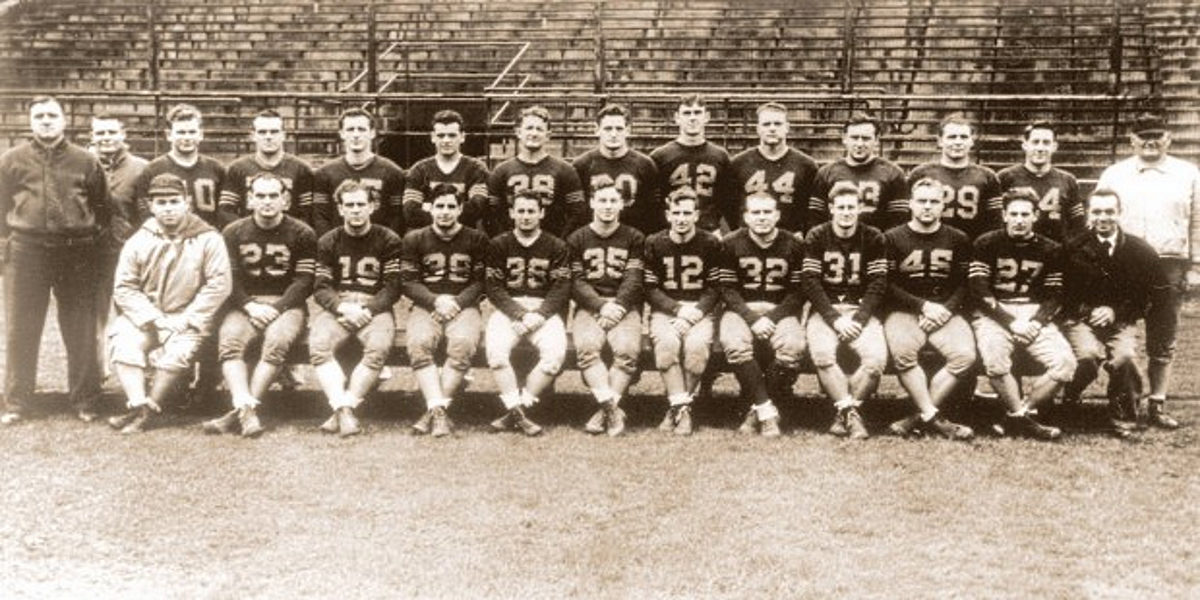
<point>799,192</point>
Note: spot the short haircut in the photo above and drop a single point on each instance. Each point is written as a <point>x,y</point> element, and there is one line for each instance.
<point>447,117</point>
<point>350,186</point>
<point>612,110</point>
<point>859,117</point>
<point>926,182</point>
<point>1039,124</point>
<point>1102,192</point>
<point>356,112</point>
<point>844,188</point>
<point>955,118</point>
<point>183,112</point>
<point>691,100</point>
<point>534,111</point>
<point>44,98</point>
<point>268,176</point>
<point>444,189</point>
<point>107,116</point>
<point>682,193</point>
<point>534,195</point>
<point>766,106</point>
<point>1020,195</point>
<point>758,196</point>
<point>268,113</point>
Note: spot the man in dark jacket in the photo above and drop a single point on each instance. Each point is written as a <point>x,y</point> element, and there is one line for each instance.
<point>55,210</point>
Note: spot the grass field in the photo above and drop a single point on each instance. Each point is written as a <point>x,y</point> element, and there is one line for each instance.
<point>174,513</point>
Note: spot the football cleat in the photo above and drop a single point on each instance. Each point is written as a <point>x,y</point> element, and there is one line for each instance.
<point>504,423</point>
<point>750,424</point>
<point>423,424</point>
<point>683,421</point>
<point>855,426</point>
<point>118,422</point>
<point>838,427</point>
<point>595,425</point>
<point>222,424</point>
<point>86,415</point>
<point>524,423</point>
<point>251,426</point>
<point>441,423</point>
<point>770,427</point>
<point>348,424</point>
<point>905,427</point>
<point>1159,417</point>
<point>331,424</point>
<point>942,427</point>
<point>138,423</point>
<point>616,420</point>
<point>670,420</point>
<point>1025,426</point>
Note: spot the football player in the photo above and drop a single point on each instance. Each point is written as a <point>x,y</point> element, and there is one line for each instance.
<point>761,282</point>
<point>274,259</point>
<point>606,264</point>
<point>550,178</point>
<point>682,279</point>
<point>881,183</point>
<point>359,163</point>
<point>449,165</point>
<point>927,287</point>
<point>268,135</point>
<point>777,169</point>
<point>1017,281</point>
<point>693,161</point>
<point>845,277</point>
<point>357,282</point>
<point>612,161</point>
<point>172,278</point>
<point>442,268</point>
<point>1111,277</point>
<point>529,282</point>
<point>203,175</point>
<point>971,191</point>
<point>1060,211</point>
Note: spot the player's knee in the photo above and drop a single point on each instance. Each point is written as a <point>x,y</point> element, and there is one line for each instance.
<point>320,350</point>
<point>419,357</point>
<point>374,357</point>
<point>958,363</point>
<point>460,349</point>
<point>274,352</point>
<point>997,366</point>
<point>823,357</point>
<point>696,362</point>
<point>1063,367</point>
<point>1121,356</point>
<point>550,360</point>
<point>626,353</point>
<point>666,353</point>
<point>739,353</point>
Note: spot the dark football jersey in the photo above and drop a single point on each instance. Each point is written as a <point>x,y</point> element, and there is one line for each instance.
<point>369,264</point>
<point>972,195</point>
<point>761,274</point>
<point>926,267</point>
<point>849,270</point>
<point>705,168</point>
<point>1025,270</point>
<point>539,270</point>
<point>789,179</point>
<point>431,265</point>
<point>687,272</point>
<point>383,177</point>
<point>880,182</point>
<point>607,267</point>
<point>297,174</point>
<point>204,180</point>
<point>565,207</point>
<point>469,177</point>
<point>281,261</point>
<point>636,176</point>
<point>1060,208</point>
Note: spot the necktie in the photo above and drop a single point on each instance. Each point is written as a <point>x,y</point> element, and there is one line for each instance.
<point>1107,247</point>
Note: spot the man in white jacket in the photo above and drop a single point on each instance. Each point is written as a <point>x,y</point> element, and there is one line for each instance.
<point>172,277</point>
<point>1159,194</point>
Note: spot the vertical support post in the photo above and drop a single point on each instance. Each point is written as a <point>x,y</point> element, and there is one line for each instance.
<point>1116,58</point>
<point>849,42</point>
<point>601,72</point>
<point>372,50</point>
<point>155,50</point>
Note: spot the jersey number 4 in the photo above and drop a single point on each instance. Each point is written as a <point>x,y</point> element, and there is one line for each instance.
<point>937,265</point>
<point>782,188</point>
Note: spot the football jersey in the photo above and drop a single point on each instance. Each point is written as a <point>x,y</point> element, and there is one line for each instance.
<point>607,267</point>
<point>1060,208</point>
<point>204,180</point>
<point>281,261</point>
<point>636,176</point>
<point>565,207</point>
<point>469,177</point>
<point>840,270</point>
<point>297,174</point>
<point>972,195</point>
<point>383,177</point>
<point>759,274</point>
<point>880,182</point>
<point>926,267</point>
<point>1015,270</point>
<point>789,179</point>
<point>368,264</point>
<point>539,270</point>
<point>687,272</point>
<point>704,167</point>
<point>431,265</point>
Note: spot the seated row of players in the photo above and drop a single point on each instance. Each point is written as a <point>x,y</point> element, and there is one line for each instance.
<point>171,281</point>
